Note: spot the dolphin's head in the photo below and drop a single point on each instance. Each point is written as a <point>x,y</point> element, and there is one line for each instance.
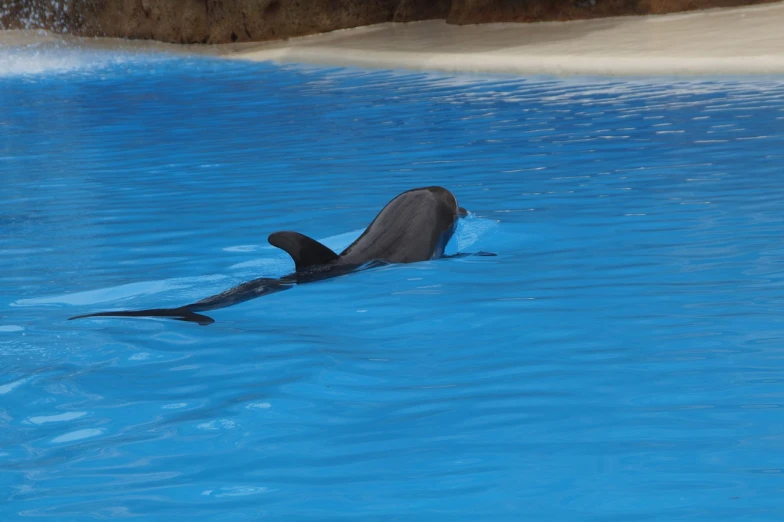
<point>451,212</point>
<point>415,226</point>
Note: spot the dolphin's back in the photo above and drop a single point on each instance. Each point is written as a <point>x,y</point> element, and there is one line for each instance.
<point>414,226</point>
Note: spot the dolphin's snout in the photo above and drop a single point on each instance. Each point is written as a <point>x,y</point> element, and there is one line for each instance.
<point>461,212</point>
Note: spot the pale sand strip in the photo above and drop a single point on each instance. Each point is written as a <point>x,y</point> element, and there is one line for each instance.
<point>748,40</point>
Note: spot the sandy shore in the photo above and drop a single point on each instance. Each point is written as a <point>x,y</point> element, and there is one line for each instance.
<point>747,40</point>
<point>739,41</point>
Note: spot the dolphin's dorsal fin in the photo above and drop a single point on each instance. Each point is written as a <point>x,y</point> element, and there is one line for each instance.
<point>305,252</point>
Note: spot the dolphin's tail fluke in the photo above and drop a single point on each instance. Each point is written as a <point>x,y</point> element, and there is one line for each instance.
<point>178,314</point>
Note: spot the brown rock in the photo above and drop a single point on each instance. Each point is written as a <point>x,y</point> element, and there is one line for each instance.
<point>221,21</point>
<point>412,10</point>
<point>32,14</point>
<point>181,21</point>
<point>487,11</point>
<point>255,20</point>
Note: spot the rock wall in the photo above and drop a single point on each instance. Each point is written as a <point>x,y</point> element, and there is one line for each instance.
<point>487,11</point>
<point>222,21</point>
<point>211,21</point>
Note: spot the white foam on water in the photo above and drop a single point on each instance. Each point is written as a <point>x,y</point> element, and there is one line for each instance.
<point>37,53</point>
<point>24,62</point>
<point>470,230</point>
<point>35,60</point>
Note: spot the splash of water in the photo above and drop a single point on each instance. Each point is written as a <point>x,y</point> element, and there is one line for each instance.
<point>39,52</point>
<point>48,58</point>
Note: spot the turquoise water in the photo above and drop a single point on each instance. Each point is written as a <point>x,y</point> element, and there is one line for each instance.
<point>621,359</point>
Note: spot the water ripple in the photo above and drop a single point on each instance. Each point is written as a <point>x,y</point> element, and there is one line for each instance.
<point>621,358</point>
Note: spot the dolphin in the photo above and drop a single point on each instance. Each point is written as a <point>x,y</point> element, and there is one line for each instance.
<point>415,226</point>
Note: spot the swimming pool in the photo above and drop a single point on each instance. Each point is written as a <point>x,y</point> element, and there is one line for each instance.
<point>621,359</point>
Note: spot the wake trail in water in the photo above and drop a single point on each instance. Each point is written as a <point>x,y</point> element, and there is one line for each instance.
<point>471,230</point>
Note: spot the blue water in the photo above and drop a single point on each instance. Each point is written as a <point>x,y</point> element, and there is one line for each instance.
<point>621,359</point>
